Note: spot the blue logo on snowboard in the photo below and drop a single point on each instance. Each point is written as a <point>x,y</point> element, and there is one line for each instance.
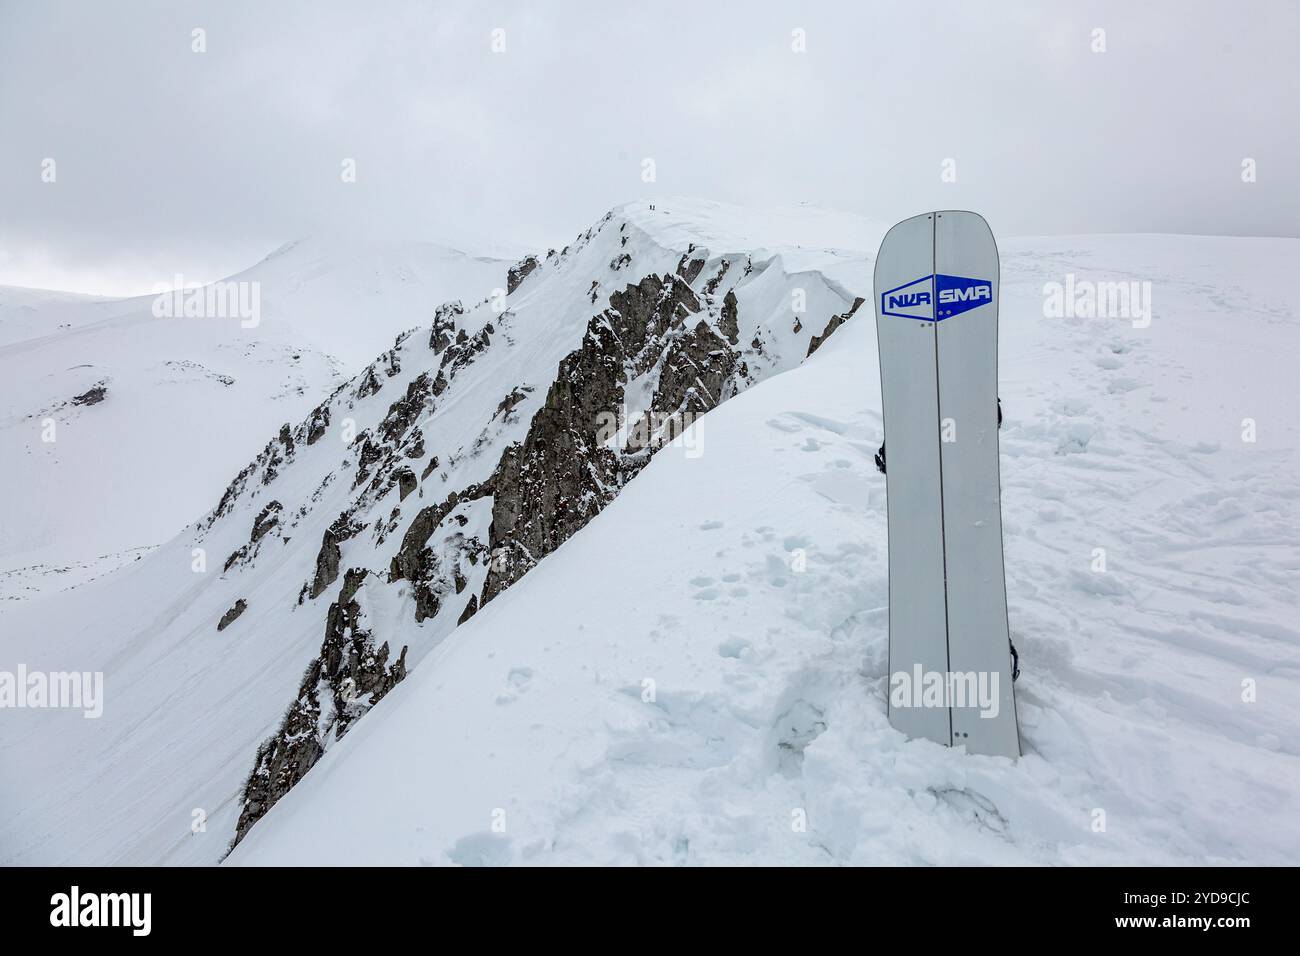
<point>956,294</point>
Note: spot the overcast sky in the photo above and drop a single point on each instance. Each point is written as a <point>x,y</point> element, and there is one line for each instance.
<point>168,160</point>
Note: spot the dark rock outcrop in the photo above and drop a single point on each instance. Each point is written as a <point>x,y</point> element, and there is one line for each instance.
<point>406,482</point>
<point>444,326</point>
<point>268,518</point>
<point>561,475</point>
<point>689,270</point>
<point>835,322</point>
<point>465,349</point>
<point>403,412</point>
<point>470,610</point>
<point>319,421</point>
<point>331,552</point>
<point>697,372</point>
<point>729,323</point>
<point>347,678</point>
<point>518,272</point>
<point>92,396</point>
<point>433,572</point>
<point>712,285</point>
<point>229,617</point>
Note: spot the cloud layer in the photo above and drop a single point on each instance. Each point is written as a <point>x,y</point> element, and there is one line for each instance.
<point>169,160</point>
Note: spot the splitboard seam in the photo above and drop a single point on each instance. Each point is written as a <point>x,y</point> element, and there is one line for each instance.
<point>938,410</point>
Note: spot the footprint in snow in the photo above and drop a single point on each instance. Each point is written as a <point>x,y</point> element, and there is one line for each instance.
<point>481,849</point>
<point>787,427</point>
<point>733,647</point>
<point>1121,385</point>
<point>517,681</point>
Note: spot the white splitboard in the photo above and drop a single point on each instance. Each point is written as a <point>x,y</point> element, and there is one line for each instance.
<point>936,290</point>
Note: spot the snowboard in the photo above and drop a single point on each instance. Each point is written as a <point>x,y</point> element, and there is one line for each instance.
<point>950,667</point>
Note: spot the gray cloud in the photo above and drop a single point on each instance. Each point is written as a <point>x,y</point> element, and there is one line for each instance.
<point>168,160</point>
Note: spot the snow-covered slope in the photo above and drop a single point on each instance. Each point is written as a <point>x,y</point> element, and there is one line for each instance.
<point>358,538</point>
<point>741,571</point>
<point>86,486</point>
<point>701,670</point>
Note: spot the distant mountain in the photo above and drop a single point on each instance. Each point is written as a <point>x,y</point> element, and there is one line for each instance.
<point>118,426</point>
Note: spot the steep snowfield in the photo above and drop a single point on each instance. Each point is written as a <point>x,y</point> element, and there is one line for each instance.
<point>769,683</point>
<point>768,680</point>
<point>188,399</point>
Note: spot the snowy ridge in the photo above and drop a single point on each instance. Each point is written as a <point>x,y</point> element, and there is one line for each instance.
<point>705,701</point>
<point>312,536</point>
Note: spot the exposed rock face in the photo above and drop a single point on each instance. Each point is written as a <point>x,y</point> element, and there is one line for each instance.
<point>233,491</point>
<point>470,610</point>
<point>436,573</point>
<point>465,349</point>
<point>516,395</point>
<point>266,520</point>
<point>562,475</point>
<point>349,677</point>
<point>371,452</point>
<point>406,482</point>
<point>92,396</point>
<point>275,454</point>
<point>268,461</point>
<point>444,326</point>
<point>697,372</point>
<point>319,421</point>
<point>415,444</point>
<point>369,383</point>
<point>229,617</point>
<point>327,560</point>
<point>712,285</point>
<point>520,271</point>
<point>403,412</point>
<point>728,323</point>
<point>690,271</point>
<point>835,322</point>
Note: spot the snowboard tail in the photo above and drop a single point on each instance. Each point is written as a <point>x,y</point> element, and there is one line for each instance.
<point>950,668</point>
